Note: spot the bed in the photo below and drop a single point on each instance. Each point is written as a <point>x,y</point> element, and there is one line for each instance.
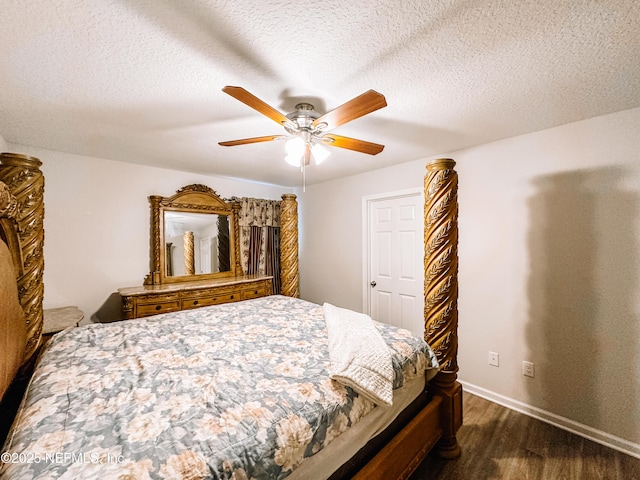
<point>238,390</point>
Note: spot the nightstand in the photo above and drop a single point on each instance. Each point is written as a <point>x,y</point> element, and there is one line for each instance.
<point>57,319</point>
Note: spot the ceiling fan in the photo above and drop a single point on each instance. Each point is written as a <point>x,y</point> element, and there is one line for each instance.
<point>308,129</point>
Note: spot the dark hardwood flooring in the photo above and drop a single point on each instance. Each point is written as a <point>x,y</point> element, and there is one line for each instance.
<point>499,443</point>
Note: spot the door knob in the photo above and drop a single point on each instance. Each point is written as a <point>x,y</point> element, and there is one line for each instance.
<point>373,284</point>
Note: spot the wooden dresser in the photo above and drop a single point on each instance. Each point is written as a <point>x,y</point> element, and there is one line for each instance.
<point>147,300</point>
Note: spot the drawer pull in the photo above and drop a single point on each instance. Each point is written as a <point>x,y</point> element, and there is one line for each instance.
<point>255,292</point>
<point>231,296</point>
<point>158,307</point>
<point>195,302</point>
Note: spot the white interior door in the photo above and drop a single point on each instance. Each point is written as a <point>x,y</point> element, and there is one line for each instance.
<point>395,261</point>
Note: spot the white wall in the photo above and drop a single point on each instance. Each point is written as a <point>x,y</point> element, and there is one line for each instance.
<point>549,265</point>
<point>3,145</point>
<point>97,225</point>
<point>331,231</point>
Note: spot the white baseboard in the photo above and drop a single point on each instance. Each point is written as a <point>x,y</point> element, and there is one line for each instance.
<point>585,431</point>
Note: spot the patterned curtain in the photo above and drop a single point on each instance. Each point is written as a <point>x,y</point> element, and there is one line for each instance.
<point>272,266</point>
<point>259,222</point>
<point>224,256</point>
<point>255,249</point>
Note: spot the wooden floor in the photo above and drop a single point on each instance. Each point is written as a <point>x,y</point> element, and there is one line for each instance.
<point>498,443</point>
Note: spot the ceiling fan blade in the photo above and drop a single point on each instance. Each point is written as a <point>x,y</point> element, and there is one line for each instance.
<point>254,102</point>
<point>357,107</point>
<point>245,141</point>
<point>352,144</point>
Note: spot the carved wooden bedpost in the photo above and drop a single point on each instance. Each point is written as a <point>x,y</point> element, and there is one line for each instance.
<point>154,277</point>
<point>8,227</point>
<point>25,181</point>
<point>235,206</point>
<point>189,255</point>
<point>441,293</point>
<point>289,246</point>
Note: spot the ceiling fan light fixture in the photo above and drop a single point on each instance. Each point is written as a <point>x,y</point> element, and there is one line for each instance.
<point>295,146</point>
<point>295,150</point>
<point>319,153</point>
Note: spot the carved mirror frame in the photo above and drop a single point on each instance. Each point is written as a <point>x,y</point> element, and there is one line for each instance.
<point>194,198</point>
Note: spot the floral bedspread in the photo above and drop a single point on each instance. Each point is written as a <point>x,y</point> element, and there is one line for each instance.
<point>231,391</point>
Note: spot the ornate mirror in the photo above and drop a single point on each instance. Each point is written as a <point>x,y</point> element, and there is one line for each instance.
<point>194,236</point>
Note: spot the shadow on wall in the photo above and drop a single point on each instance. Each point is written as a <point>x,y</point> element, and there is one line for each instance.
<point>110,311</point>
<point>582,334</point>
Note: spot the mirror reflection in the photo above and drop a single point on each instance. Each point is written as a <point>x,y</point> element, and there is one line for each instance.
<point>196,243</point>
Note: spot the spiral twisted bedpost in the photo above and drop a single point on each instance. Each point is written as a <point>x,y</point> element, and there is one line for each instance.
<point>289,246</point>
<point>235,207</point>
<point>189,256</point>
<point>441,292</point>
<point>25,181</point>
<point>155,221</point>
<point>8,226</point>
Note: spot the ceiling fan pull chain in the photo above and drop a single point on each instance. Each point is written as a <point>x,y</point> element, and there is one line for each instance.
<point>304,177</point>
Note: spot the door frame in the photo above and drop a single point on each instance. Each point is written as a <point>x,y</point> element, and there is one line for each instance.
<point>367,202</point>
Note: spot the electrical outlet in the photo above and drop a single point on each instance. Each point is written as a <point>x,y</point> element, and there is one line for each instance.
<point>494,359</point>
<point>527,369</point>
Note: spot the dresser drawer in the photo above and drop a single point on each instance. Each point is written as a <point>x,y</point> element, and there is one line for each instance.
<point>210,292</point>
<point>256,292</point>
<point>146,309</point>
<point>197,301</point>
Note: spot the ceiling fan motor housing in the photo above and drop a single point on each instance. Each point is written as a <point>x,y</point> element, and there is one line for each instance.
<point>302,118</point>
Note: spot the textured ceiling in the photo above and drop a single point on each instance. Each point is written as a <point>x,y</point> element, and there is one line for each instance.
<point>140,80</point>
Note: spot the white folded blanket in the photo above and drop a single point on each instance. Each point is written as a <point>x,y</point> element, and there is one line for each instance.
<point>359,355</point>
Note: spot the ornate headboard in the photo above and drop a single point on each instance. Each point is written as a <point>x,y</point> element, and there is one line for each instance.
<point>22,229</point>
